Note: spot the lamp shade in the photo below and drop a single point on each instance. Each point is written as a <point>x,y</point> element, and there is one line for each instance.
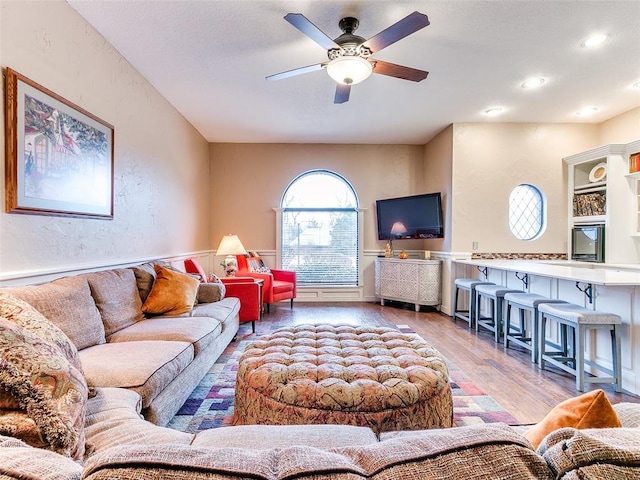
<point>349,70</point>
<point>398,228</point>
<point>230,245</point>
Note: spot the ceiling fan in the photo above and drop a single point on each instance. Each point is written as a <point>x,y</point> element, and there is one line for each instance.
<point>349,54</point>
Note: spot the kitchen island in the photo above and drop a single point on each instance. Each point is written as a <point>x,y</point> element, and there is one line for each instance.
<point>602,287</point>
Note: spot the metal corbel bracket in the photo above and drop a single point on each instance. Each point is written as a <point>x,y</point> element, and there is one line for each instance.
<point>524,279</point>
<point>587,290</point>
<point>484,271</point>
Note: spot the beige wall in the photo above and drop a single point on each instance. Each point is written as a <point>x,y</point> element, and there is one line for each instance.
<point>248,181</point>
<point>489,160</point>
<point>161,162</point>
<point>438,158</point>
<point>624,128</point>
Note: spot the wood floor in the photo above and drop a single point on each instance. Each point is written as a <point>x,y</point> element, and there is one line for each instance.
<point>508,376</point>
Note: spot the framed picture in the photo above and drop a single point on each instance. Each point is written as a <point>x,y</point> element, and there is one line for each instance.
<point>59,157</point>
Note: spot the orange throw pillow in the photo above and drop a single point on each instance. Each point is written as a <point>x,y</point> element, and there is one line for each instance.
<point>173,293</point>
<point>591,410</point>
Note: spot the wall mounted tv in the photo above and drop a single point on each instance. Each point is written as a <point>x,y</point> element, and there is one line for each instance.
<point>417,216</point>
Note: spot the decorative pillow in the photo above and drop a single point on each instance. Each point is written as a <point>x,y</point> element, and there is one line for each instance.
<point>256,264</point>
<point>25,316</point>
<point>590,410</point>
<point>42,395</point>
<point>173,293</point>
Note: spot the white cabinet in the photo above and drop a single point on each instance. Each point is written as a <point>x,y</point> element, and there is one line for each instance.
<point>409,280</point>
<point>610,200</point>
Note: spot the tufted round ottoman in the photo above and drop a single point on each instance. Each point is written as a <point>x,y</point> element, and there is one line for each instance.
<point>368,376</point>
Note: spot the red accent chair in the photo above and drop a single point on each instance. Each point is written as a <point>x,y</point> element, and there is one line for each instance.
<point>278,285</point>
<point>244,288</point>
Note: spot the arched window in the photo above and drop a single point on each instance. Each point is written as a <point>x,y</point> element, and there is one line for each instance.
<point>526,212</point>
<point>319,234</point>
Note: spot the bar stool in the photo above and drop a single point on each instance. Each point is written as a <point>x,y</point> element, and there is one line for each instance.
<point>495,294</point>
<point>468,284</point>
<point>580,319</point>
<point>525,334</point>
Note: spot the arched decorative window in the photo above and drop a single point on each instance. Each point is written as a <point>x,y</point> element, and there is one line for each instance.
<point>526,212</point>
<point>320,231</point>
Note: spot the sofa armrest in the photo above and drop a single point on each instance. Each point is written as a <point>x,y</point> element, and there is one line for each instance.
<point>210,292</point>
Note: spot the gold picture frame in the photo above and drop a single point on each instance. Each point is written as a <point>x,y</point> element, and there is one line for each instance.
<point>59,157</point>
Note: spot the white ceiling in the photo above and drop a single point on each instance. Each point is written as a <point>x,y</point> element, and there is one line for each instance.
<point>209,58</point>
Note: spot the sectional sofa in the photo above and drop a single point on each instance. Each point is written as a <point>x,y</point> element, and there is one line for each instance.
<point>161,355</point>
<point>91,366</point>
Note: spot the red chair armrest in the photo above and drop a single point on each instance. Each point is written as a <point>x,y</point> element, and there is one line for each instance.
<point>249,295</point>
<point>229,280</point>
<point>284,275</point>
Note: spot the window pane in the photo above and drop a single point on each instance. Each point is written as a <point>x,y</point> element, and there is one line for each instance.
<point>320,230</point>
<point>526,212</point>
<point>321,247</point>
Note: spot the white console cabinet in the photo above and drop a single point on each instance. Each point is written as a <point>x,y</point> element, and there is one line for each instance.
<point>411,281</point>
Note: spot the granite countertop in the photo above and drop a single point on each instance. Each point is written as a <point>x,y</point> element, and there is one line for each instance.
<point>594,273</point>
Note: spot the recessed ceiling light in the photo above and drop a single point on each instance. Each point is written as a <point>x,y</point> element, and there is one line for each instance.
<point>492,112</point>
<point>636,85</point>
<point>595,40</point>
<point>533,82</point>
<point>583,112</point>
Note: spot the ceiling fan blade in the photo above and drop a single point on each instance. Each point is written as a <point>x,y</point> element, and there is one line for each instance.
<point>403,28</point>
<point>297,71</point>
<point>342,93</point>
<point>399,71</point>
<point>303,24</point>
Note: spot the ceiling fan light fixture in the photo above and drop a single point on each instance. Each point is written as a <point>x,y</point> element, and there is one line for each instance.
<point>349,70</point>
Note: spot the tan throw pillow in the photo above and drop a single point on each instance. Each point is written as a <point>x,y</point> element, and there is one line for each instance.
<point>590,410</point>
<point>173,293</point>
<point>42,395</point>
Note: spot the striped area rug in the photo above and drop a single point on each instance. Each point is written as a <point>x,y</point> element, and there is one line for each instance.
<point>211,403</point>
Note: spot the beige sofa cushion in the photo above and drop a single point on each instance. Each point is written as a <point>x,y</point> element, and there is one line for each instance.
<point>265,437</point>
<point>24,315</point>
<point>115,293</point>
<point>68,304</point>
<point>21,461</point>
<point>628,413</point>
<point>201,332</point>
<point>42,395</point>
<point>145,274</point>
<point>145,367</point>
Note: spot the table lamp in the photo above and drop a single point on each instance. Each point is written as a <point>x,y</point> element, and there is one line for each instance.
<point>230,245</point>
<point>397,229</point>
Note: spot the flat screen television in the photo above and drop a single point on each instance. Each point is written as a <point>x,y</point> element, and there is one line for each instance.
<point>416,216</point>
